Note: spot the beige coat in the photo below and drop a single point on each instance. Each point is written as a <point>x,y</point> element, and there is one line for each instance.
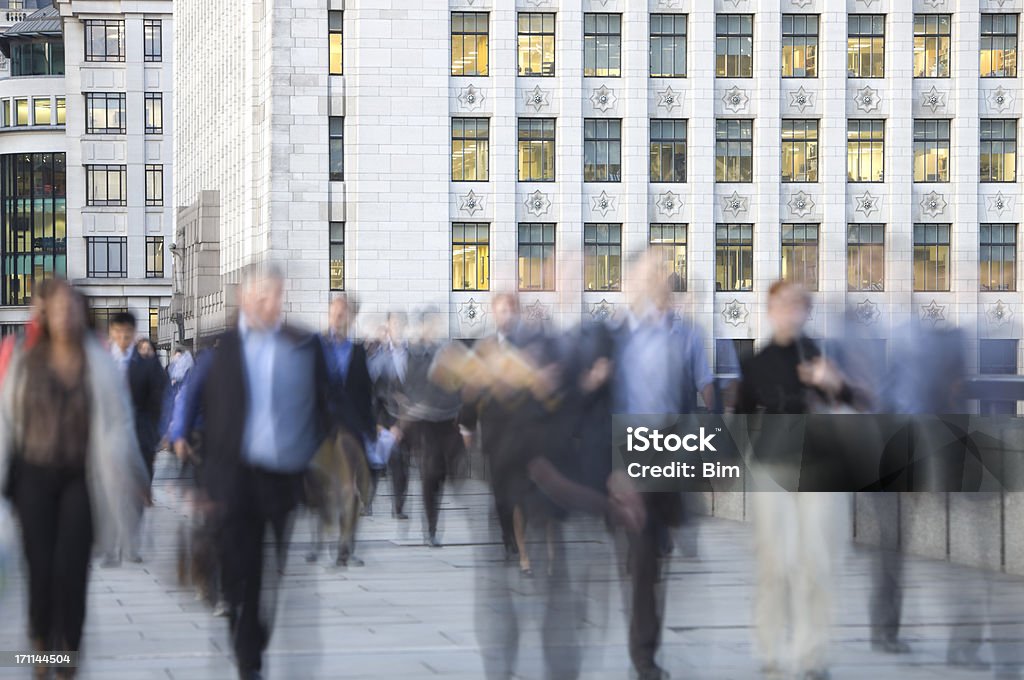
<point>115,471</point>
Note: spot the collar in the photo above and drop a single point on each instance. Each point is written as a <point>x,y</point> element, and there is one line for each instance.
<point>245,329</point>
<point>651,318</point>
<point>122,354</point>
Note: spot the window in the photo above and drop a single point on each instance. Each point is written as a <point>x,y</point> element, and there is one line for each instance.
<point>336,130</point>
<point>536,44</point>
<point>668,45</point>
<point>734,150</point>
<point>997,357</point>
<point>6,113</point>
<point>602,45</point>
<point>536,149</point>
<point>998,152</point>
<point>668,243</point>
<point>931,45</point>
<point>104,40</point>
<point>21,112</point>
<point>602,257</point>
<point>99,318</point>
<point>104,113</point>
<point>998,45</point>
<point>106,257</point>
<point>799,46</point>
<point>61,111</point>
<point>470,149</point>
<point>337,255</point>
<point>865,150</point>
<point>931,150</point>
<point>865,46</point>
<point>42,113</point>
<point>154,113</point>
<point>734,45</point>
<point>602,150</point>
<point>729,353</point>
<point>469,43</point>
<point>335,25</point>
<point>154,319</point>
<point>154,185</point>
<point>865,257</point>
<point>998,257</point>
<point>734,257</point>
<point>152,40</point>
<point>33,234</point>
<point>37,58</point>
<point>931,257</point>
<point>536,256</point>
<point>668,150</point>
<point>471,257</point>
<point>154,257</point>
<point>800,254</point>
<point>106,185</point>
<point>799,151</point>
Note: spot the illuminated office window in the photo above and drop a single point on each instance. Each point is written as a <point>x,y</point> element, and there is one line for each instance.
<point>799,46</point>
<point>668,243</point>
<point>998,257</point>
<point>335,26</point>
<point>471,257</point>
<point>470,149</point>
<point>865,257</point>
<point>154,257</point>
<point>931,257</point>
<point>734,150</point>
<point>469,43</point>
<point>602,150</point>
<point>799,151</point>
<point>998,46</point>
<point>734,257</point>
<point>336,264</point>
<point>931,150</point>
<point>734,45</point>
<point>998,150</point>
<point>536,149</point>
<point>602,256</point>
<point>602,45</point>
<point>104,113</point>
<point>668,150</point>
<point>865,46</point>
<point>536,43</point>
<point>536,264</point>
<point>800,254</point>
<point>668,45</point>
<point>932,37</point>
<point>865,150</point>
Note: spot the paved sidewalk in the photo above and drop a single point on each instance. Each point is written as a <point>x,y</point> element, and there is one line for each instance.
<point>410,612</point>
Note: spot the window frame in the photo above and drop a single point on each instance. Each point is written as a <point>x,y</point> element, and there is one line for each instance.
<point>793,245</point>
<point>1003,263</point>
<point>118,242</point>
<point>932,143</point>
<point>547,144</point>
<point>534,39</point>
<point>477,257</point>
<point>120,100</point>
<point>857,52</point>
<point>476,36</point>
<point>600,140</point>
<point>805,144</point>
<point>154,173</point>
<point>548,253</point>
<point>482,146</point>
<point>672,38</point>
<point>739,35</point>
<point>155,257</point>
<point>152,40</point>
<point>987,149</point>
<point>597,252</point>
<point>662,144</point>
<point>737,253</point>
<point>860,147</point>
<point>929,36</point>
<point>593,64</point>
<point>740,160</point>
<point>855,258</point>
<point>673,243</point>
<point>940,248</point>
<point>1003,36</point>
<point>335,133</point>
<point>336,29</point>
<point>148,98</point>
<point>335,240</point>
<point>800,39</point>
<point>107,170</point>
<point>91,25</point>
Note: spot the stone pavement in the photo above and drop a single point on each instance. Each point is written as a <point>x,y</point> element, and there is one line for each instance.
<point>411,611</point>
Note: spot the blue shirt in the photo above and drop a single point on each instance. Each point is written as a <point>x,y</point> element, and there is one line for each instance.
<point>338,353</point>
<point>259,350</point>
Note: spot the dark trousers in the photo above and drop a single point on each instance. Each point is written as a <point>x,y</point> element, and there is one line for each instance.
<point>57,533</point>
<point>646,609</point>
<point>261,501</point>
<point>398,468</point>
<point>441,449</point>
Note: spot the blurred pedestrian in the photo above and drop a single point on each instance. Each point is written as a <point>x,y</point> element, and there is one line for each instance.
<point>388,370</point>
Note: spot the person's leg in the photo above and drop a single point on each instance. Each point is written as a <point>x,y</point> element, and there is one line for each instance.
<point>35,498</point>
<point>774,527</point>
<point>432,457</point>
<point>71,563</point>
<point>645,614</point>
<point>519,529</point>
<point>241,553</point>
<point>505,509</point>
<point>398,466</point>
<point>813,579</point>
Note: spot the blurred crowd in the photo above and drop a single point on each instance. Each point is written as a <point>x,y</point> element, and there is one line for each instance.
<point>271,419</point>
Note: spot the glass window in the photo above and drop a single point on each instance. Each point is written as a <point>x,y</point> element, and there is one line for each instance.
<point>37,58</point>
<point>998,152</point>
<point>336,129</point>
<point>602,150</point>
<point>865,150</point>
<point>536,43</point>
<point>800,254</point>
<point>152,39</point>
<point>734,45</point>
<point>104,40</point>
<point>734,257</point>
<point>865,46</point>
<point>931,257</point>
<point>998,257</point>
<point>932,45</point>
<point>6,113</point>
<point>668,243</point>
<point>602,256</point>
<point>469,43</point>
<point>536,149</point>
<point>931,150</point>
<point>602,45</point>
<point>668,45</point>
<point>729,353</point>
<point>154,185</point>
<point>668,150</point>
<point>799,151</point>
<point>104,113</point>
<point>99,318</point>
<point>337,255</point>
<point>154,113</point>
<point>335,26</point>
<point>154,319</point>
<point>997,357</point>
<point>106,257</point>
<point>734,150</point>
<point>42,113</point>
<point>106,185</point>
<point>154,257</point>
<point>33,233</point>
<point>471,257</point>
<point>998,46</point>
<point>21,112</point>
<point>865,257</point>
<point>799,45</point>
<point>470,149</point>
<point>536,256</point>
<point>61,111</point>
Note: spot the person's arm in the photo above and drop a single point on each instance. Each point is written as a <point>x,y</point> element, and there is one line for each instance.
<point>359,375</point>
<point>700,369</point>
<point>188,404</point>
<point>157,388</point>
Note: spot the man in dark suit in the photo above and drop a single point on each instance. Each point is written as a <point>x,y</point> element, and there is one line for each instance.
<point>263,393</point>
<point>147,383</point>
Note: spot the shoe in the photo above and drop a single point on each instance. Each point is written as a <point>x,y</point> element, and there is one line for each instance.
<point>652,673</point>
<point>399,515</point>
<point>250,675</point>
<point>890,646</point>
<point>967,659</point>
<point>511,552</point>
<point>135,558</point>
<point>433,542</point>
<point>526,572</point>
<point>110,561</point>
<point>366,512</point>
<point>312,556</point>
<point>220,609</point>
<point>354,561</point>
<point>817,674</point>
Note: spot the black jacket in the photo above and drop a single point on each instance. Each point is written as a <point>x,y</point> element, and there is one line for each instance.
<point>351,397</point>
<point>148,384</point>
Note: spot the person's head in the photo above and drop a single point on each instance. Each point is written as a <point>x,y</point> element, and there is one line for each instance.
<point>145,348</point>
<point>789,307</point>
<point>395,326</point>
<point>262,296</point>
<point>61,312</point>
<point>428,323</point>
<point>505,307</point>
<point>340,314</point>
<point>648,286</point>
<point>122,330</point>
